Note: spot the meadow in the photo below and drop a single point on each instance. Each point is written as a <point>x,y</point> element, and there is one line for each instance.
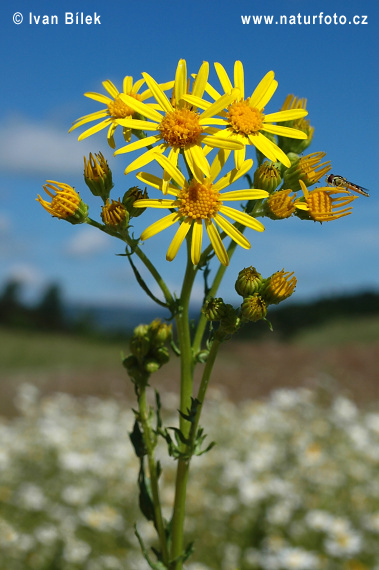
<point>291,484</point>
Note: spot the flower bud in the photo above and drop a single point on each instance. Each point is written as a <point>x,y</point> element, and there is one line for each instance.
<point>278,287</point>
<point>130,197</point>
<point>248,281</point>
<point>114,214</point>
<point>66,203</point>
<point>308,168</point>
<point>279,205</point>
<point>161,355</point>
<point>160,333</point>
<point>267,177</point>
<point>214,309</point>
<point>253,308</point>
<point>98,176</point>
<point>230,322</point>
<point>140,346</point>
<point>151,366</point>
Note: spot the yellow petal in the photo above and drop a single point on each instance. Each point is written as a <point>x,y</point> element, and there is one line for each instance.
<point>218,163</point>
<point>98,97</point>
<point>95,129</point>
<point>178,240</point>
<point>267,96</point>
<point>219,105</point>
<point>88,118</point>
<point>141,143</point>
<point>127,84</point>
<point>144,159</point>
<point>282,116</point>
<point>169,167</point>
<point>219,141</point>
<point>111,88</point>
<point>232,231</point>
<point>195,156</point>
<point>141,108</point>
<point>180,85</point>
<point>160,225</point>
<point>247,194</point>
<point>233,175</point>
<point>157,92</point>
<point>155,203</point>
<point>242,218</point>
<point>239,80</point>
<point>261,89</point>
<point>264,145</point>
<point>197,237</point>
<point>216,242</point>
<point>196,101</point>
<point>201,80</point>
<point>284,131</point>
<point>223,77</point>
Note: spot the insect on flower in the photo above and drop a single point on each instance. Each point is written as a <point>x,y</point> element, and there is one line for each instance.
<point>341,182</point>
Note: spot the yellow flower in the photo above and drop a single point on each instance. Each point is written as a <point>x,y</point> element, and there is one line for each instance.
<point>66,203</point>
<point>308,168</point>
<point>323,207</point>
<point>244,119</point>
<point>115,108</point>
<point>180,128</point>
<point>200,202</point>
<point>279,287</point>
<point>114,214</point>
<point>292,102</point>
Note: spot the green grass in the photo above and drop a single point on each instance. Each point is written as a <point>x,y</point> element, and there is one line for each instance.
<point>340,331</point>
<point>26,350</point>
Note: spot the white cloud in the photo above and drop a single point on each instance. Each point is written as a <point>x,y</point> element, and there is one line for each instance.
<point>87,241</point>
<point>32,148</point>
<point>26,274</point>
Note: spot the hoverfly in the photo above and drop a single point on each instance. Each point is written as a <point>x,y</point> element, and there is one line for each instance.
<point>341,182</point>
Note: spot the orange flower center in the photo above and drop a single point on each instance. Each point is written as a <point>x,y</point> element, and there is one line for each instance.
<point>199,201</point>
<point>244,119</point>
<point>181,128</point>
<point>119,110</point>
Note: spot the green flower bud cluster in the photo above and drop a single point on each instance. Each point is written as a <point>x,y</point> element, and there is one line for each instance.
<point>258,293</point>
<point>216,310</point>
<point>148,351</point>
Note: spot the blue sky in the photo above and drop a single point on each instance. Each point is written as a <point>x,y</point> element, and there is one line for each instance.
<point>47,68</point>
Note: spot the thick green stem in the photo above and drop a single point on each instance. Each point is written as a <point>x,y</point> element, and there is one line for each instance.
<point>148,437</point>
<point>186,391</point>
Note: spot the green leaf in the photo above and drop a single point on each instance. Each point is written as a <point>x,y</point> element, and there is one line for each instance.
<point>136,438</point>
<point>158,565</point>
<point>146,504</point>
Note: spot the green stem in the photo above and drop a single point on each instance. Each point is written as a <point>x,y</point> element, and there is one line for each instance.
<point>186,391</point>
<point>149,444</point>
<point>212,293</point>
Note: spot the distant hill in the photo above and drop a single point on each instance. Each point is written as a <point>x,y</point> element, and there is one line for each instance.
<point>287,319</point>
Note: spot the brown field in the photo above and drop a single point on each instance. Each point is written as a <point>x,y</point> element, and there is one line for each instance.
<point>243,369</point>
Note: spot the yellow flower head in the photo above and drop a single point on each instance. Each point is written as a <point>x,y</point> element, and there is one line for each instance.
<point>308,168</point>
<point>115,108</point>
<point>279,287</point>
<point>322,206</point>
<point>97,175</point>
<point>179,127</point>
<point>114,214</point>
<point>280,205</point>
<point>253,308</point>
<point>200,203</point>
<point>66,203</point>
<point>244,119</point>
